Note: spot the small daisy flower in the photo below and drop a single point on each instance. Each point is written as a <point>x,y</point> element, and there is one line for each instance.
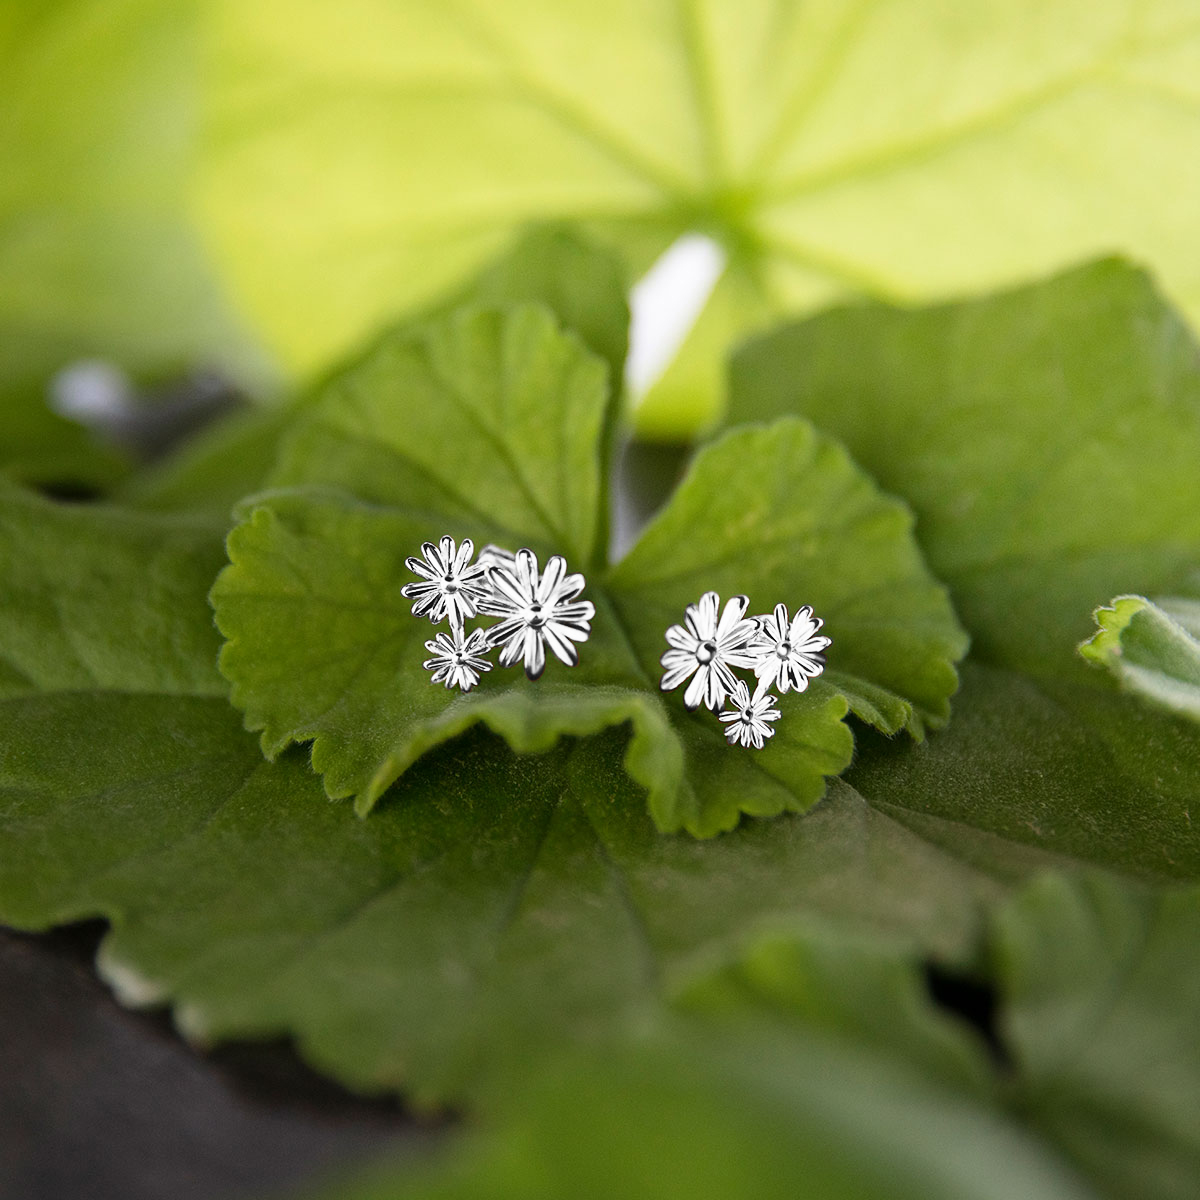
<point>788,654</point>
<point>458,659</point>
<point>748,718</point>
<point>538,611</point>
<point>706,648</point>
<point>450,587</point>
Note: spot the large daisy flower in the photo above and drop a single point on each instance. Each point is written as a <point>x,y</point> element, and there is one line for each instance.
<point>704,649</point>
<point>787,654</point>
<point>450,586</point>
<point>537,611</point>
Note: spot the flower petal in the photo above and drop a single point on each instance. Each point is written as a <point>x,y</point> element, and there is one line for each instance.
<point>535,654</point>
<point>735,611</point>
<point>562,647</point>
<point>508,587</point>
<point>526,573</point>
<point>694,696</point>
<point>552,577</point>
<point>681,639</point>
<point>465,552</point>
<point>677,672</point>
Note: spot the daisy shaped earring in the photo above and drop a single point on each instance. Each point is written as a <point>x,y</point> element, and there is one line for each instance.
<point>538,609</point>
<point>706,647</point>
<point>788,652</point>
<point>452,587</point>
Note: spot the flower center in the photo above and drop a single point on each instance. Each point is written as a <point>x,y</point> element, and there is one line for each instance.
<point>449,585</point>
<point>536,620</point>
<point>706,653</point>
<point>783,649</point>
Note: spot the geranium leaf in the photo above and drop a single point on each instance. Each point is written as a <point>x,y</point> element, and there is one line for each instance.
<point>1100,985</point>
<point>99,598</point>
<point>553,266</point>
<point>496,906</point>
<point>1046,438</point>
<point>829,149</point>
<point>782,514</point>
<point>1097,989</point>
<point>487,416</point>
<point>490,424</point>
<point>1151,649</point>
<point>1042,770</point>
<point>861,991</point>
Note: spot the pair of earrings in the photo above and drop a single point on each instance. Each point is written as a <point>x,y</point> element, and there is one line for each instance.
<point>537,608</point>
<point>541,608</point>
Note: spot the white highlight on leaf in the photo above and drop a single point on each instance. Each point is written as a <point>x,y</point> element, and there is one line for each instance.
<point>93,392</point>
<point>664,305</point>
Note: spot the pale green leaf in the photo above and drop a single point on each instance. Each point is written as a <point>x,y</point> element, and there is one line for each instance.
<point>1150,650</point>
<point>98,257</point>
<point>360,159</point>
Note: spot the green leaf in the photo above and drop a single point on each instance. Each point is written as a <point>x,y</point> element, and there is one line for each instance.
<point>1151,649</point>
<point>831,149</point>
<point>854,990</point>
<point>486,417</point>
<point>783,513</point>
<point>1101,985</point>
<point>1098,989</point>
<point>764,1117</point>
<point>98,598</point>
<point>550,265</point>
<point>495,908</point>
<point>1046,439</point>
<point>491,425</point>
<point>1041,771</point>
<point>97,253</point>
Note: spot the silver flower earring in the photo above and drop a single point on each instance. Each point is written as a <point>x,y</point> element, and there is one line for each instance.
<point>783,652</point>
<point>538,608</point>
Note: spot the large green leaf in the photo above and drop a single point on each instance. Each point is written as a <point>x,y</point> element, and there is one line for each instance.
<point>1098,986</point>
<point>491,424</point>
<point>494,907</point>
<point>360,159</point>
<point>97,254</point>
